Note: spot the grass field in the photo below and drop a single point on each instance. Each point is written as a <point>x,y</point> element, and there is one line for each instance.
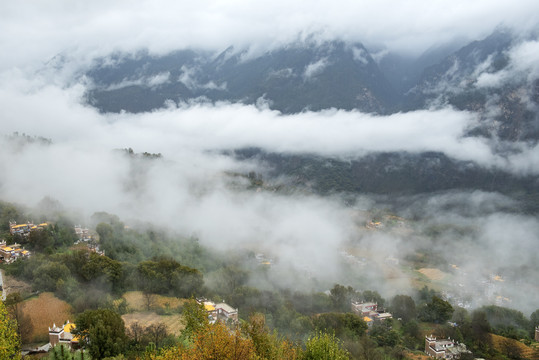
<point>43,311</point>
<point>500,343</point>
<point>172,322</point>
<point>136,301</point>
<point>433,274</point>
<point>137,306</point>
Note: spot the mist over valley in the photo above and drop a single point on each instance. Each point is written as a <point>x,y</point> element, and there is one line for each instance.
<point>279,167</point>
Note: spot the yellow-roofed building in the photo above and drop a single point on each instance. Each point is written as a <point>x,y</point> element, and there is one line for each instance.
<point>12,252</point>
<point>25,229</point>
<point>63,335</point>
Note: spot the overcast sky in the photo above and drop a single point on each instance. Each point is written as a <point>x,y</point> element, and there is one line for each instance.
<point>35,31</point>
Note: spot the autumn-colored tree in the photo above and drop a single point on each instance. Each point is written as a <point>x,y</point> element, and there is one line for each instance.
<point>323,346</point>
<point>10,345</point>
<point>214,341</point>
<point>268,345</point>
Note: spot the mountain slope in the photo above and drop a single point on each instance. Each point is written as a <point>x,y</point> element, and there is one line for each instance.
<point>291,79</point>
<point>484,77</point>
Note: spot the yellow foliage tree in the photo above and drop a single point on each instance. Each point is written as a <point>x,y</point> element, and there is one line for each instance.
<point>214,341</point>
<point>10,345</point>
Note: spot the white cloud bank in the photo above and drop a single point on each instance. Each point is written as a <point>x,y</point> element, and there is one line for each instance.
<point>47,110</point>
<point>37,31</point>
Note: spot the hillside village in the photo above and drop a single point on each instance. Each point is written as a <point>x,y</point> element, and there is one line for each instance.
<point>380,323</point>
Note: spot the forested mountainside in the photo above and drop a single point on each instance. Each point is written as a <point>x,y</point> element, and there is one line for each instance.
<point>293,78</point>
<point>312,75</point>
<point>393,173</point>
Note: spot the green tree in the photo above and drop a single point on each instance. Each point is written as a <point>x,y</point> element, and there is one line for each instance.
<point>10,345</point>
<point>365,349</point>
<point>534,322</point>
<point>24,325</point>
<point>373,296</point>
<point>9,212</point>
<point>348,325</point>
<point>477,334</point>
<point>425,294</point>
<point>103,272</point>
<point>63,352</point>
<point>267,345</point>
<point>384,335</point>
<point>460,316</point>
<point>40,240</point>
<point>167,276</point>
<point>229,278</point>
<point>412,337</point>
<point>102,332</point>
<point>12,303</point>
<point>195,318</point>
<point>341,297</point>
<point>437,310</point>
<point>323,346</point>
<point>47,275</point>
<point>63,232</point>
<point>507,322</point>
<point>403,307</point>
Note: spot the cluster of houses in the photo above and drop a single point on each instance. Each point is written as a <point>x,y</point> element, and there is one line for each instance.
<point>369,312</point>
<point>220,311</point>
<point>10,253</point>
<point>25,229</point>
<point>444,348</point>
<point>83,234</point>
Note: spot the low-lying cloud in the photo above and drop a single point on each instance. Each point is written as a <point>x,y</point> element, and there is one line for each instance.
<point>57,113</point>
<point>522,65</point>
<point>189,188</point>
